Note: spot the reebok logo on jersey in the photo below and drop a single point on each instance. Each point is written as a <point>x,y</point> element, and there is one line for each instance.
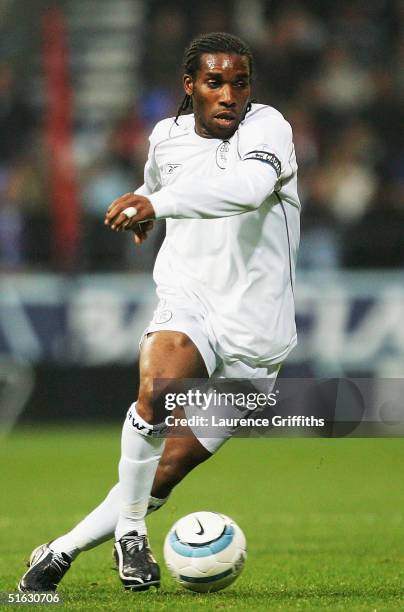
<point>267,158</point>
<point>171,168</point>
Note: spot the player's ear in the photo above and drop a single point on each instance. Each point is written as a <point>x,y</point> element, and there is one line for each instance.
<point>188,85</point>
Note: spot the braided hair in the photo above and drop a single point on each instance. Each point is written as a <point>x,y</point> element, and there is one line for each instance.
<point>215,42</point>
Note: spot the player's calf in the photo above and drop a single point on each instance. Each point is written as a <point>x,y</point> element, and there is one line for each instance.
<point>181,456</point>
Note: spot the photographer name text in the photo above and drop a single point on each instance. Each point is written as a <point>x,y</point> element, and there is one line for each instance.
<point>215,421</point>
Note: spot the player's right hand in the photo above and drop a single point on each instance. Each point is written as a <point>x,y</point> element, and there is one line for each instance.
<point>140,223</point>
<point>141,231</point>
<point>118,218</point>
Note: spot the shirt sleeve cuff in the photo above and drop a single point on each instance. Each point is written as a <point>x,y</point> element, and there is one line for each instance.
<point>142,190</point>
<point>163,204</point>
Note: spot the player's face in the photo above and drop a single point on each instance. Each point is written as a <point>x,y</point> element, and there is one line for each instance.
<point>220,93</point>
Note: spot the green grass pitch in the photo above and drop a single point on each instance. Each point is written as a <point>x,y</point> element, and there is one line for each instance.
<point>323,520</point>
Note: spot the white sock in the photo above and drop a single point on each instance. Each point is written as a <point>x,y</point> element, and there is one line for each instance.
<point>155,503</point>
<point>141,450</point>
<point>98,526</point>
<point>95,528</point>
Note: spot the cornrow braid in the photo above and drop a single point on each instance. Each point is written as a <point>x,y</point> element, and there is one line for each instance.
<point>215,42</point>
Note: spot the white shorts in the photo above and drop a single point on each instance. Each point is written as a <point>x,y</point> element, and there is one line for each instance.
<point>182,315</point>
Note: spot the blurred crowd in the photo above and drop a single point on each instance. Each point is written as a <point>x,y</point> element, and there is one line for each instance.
<point>334,69</point>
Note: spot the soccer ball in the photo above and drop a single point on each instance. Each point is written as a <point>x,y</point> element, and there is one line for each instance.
<point>205,551</point>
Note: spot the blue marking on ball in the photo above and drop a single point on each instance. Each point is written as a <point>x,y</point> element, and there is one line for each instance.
<point>195,550</point>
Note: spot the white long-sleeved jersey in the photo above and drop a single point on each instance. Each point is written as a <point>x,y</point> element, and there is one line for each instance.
<point>232,213</point>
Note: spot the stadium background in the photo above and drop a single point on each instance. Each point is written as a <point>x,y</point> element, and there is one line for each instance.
<point>81,84</point>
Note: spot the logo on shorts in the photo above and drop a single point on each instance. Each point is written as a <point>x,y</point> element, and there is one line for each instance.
<point>163,316</point>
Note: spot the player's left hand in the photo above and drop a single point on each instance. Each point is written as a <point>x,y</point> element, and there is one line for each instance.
<point>127,211</point>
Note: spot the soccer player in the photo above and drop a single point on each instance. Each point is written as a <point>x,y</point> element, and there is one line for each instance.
<point>224,177</point>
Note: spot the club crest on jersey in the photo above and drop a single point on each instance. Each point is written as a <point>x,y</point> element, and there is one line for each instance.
<point>222,154</point>
<point>171,168</point>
